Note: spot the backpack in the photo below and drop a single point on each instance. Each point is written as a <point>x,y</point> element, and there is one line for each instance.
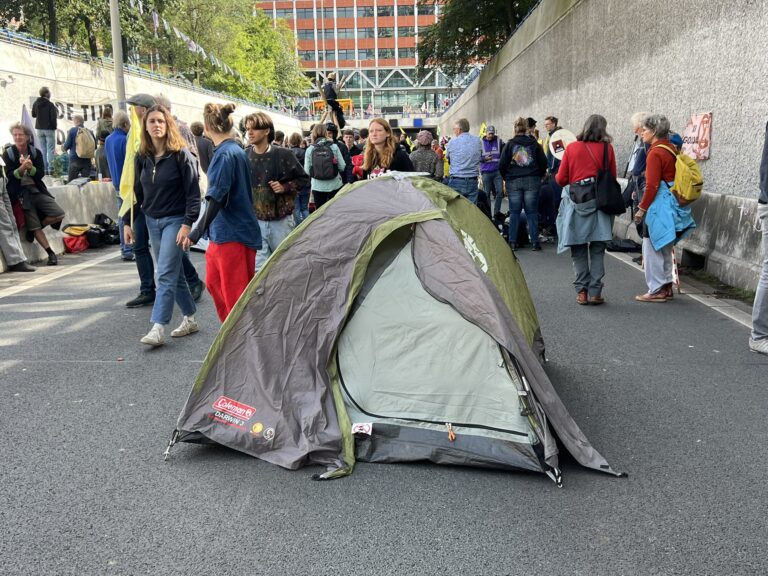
<point>85,145</point>
<point>324,163</point>
<point>12,155</point>
<point>688,179</point>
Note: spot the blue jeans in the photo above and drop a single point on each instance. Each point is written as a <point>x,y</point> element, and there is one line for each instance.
<point>273,232</point>
<point>125,249</point>
<point>47,142</point>
<point>467,187</point>
<point>144,263</point>
<point>524,191</point>
<point>171,284</point>
<point>760,307</point>
<point>492,182</point>
<point>301,210</point>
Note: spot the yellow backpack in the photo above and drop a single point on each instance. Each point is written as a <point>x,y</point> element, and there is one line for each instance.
<point>688,179</point>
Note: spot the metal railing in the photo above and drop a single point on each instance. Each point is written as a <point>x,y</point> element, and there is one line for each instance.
<point>28,41</point>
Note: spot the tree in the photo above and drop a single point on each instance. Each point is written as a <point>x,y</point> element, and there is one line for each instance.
<point>468,32</point>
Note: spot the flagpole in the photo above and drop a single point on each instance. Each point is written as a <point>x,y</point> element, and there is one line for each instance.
<point>117,53</point>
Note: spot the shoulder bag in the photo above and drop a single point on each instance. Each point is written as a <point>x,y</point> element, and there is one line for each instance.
<point>607,189</point>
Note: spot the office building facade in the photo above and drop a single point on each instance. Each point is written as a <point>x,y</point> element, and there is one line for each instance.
<point>372,43</point>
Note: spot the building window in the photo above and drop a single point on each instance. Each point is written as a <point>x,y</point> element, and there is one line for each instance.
<point>405,10</point>
<point>403,31</point>
<point>342,33</point>
<point>386,53</point>
<point>386,32</point>
<point>365,11</point>
<point>306,55</point>
<point>346,54</point>
<point>366,54</point>
<point>383,11</point>
<point>406,52</point>
<point>365,33</point>
<point>304,13</point>
<point>286,13</point>
<point>305,34</point>
<point>345,12</point>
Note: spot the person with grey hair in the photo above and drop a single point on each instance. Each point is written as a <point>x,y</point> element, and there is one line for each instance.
<point>636,165</point>
<point>465,151</point>
<point>78,167</point>
<point>114,150</point>
<point>664,220</point>
<point>25,170</point>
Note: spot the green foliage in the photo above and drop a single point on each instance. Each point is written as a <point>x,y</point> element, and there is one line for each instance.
<point>469,32</point>
<point>243,39</point>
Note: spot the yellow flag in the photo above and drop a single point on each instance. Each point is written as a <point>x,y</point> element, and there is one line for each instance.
<point>129,165</point>
<point>482,130</point>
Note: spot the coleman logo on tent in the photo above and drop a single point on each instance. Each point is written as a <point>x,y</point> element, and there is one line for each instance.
<point>362,428</point>
<point>234,408</point>
<point>474,251</point>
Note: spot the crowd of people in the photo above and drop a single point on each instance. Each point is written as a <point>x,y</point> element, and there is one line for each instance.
<point>262,183</point>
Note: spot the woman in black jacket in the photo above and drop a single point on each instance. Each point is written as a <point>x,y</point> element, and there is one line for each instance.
<point>382,153</point>
<point>167,190</point>
<point>522,164</point>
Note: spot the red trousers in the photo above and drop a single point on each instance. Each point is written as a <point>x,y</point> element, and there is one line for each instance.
<point>229,268</point>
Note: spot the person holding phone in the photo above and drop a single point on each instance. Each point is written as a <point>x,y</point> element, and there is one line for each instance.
<point>276,179</point>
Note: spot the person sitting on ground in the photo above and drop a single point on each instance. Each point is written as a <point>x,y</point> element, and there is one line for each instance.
<point>25,170</point>
<point>276,179</point>
<point>168,191</point>
<point>229,219</point>
<point>324,163</point>
<point>424,159</point>
<point>10,243</point>
<point>382,153</point>
<point>204,145</point>
<point>78,167</point>
<point>658,198</point>
<point>580,225</point>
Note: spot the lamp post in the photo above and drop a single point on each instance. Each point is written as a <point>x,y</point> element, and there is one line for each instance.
<point>117,52</point>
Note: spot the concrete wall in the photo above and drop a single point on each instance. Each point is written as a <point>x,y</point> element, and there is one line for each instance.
<point>76,84</point>
<point>573,58</point>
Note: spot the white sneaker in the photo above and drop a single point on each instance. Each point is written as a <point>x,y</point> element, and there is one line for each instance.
<point>188,326</point>
<point>155,337</point>
<point>759,346</point>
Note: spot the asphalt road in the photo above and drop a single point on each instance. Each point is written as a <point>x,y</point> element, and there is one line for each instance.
<point>668,393</point>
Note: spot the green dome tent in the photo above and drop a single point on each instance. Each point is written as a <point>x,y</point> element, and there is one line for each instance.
<point>394,324</point>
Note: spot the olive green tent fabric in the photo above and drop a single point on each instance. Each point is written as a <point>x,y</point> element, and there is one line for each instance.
<point>269,385</point>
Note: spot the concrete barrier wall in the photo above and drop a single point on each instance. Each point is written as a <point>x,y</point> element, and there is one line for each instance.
<point>573,58</point>
<point>76,84</point>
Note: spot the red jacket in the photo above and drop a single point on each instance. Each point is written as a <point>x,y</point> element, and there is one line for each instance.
<point>578,165</point>
<point>659,165</point>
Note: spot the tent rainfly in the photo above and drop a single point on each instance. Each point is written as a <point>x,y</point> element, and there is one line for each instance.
<point>393,325</point>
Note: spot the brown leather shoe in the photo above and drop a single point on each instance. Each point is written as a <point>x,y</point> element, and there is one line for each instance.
<point>581,297</point>
<point>596,300</point>
<point>660,296</point>
<point>668,290</point>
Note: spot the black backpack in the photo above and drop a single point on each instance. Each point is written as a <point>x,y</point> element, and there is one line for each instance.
<point>324,163</point>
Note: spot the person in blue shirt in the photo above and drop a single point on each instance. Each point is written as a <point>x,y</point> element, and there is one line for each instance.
<point>464,152</point>
<point>229,220</point>
<point>114,149</point>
